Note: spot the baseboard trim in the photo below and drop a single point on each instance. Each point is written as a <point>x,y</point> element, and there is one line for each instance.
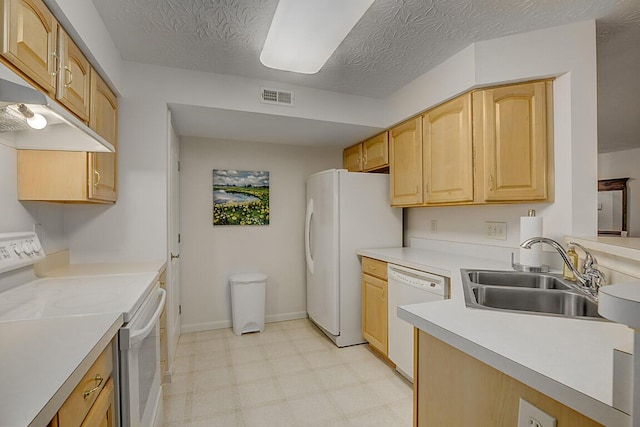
<point>222,324</point>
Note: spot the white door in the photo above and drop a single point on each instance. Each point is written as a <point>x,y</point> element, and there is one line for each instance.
<point>321,247</point>
<point>173,268</point>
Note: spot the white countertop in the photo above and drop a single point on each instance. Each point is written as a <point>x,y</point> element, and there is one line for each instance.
<point>45,355</point>
<point>43,360</point>
<point>570,360</point>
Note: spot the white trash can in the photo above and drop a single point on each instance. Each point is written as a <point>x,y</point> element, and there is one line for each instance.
<point>248,292</point>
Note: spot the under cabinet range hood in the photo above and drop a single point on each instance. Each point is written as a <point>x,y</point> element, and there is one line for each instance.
<point>30,120</point>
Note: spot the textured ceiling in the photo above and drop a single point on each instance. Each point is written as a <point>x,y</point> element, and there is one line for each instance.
<point>394,42</point>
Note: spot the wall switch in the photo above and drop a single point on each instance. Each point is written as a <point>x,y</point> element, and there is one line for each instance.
<point>434,226</point>
<point>495,230</point>
<point>530,416</point>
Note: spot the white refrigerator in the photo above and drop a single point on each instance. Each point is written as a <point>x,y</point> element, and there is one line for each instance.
<point>346,211</point>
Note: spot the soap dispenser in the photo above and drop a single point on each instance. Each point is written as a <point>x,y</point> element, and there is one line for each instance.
<point>573,257</point>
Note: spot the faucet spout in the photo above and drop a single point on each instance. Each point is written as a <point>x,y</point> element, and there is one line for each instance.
<point>592,278</point>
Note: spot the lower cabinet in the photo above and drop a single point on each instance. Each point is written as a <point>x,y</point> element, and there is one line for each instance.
<point>92,402</point>
<point>454,389</point>
<point>374,304</point>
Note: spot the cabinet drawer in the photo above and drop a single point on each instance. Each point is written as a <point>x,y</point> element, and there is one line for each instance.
<point>374,267</point>
<point>76,406</point>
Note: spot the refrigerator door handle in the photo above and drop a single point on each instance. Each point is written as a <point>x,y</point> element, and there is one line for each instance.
<point>307,235</point>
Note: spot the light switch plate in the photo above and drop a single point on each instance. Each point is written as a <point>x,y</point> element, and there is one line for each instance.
<point>530,416</point>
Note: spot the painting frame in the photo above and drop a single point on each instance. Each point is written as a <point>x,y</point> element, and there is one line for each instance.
<point>240,197</point>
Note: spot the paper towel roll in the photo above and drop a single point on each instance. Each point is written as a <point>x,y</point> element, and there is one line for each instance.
<point>531,226</point>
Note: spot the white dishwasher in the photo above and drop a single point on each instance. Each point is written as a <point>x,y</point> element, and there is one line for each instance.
<point>409,286</point>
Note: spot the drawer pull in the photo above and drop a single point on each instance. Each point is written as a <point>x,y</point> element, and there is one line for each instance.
<point>98,379</point>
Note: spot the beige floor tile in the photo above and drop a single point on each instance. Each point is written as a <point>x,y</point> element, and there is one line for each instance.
<point>242,356</point>
<point>301,384</point>
<point>289,365</point>
<point>323,358</point>
<point>276,350</point>
<point>207,360</point>
<point>274,415</point>
<point>222,420</point>
<point>338,376</point>
<point>212,345</point>
<point>216,377</point>
<point>214,402</point>
<point>355,399</point>
<point>252,371</point>
<point>259,393</point>
<point>174,408</point>
<point>376,417</point>
<point>180,384</point>
<point>289,375</point>
<point>306,345</point>
<point>392,389</point>
<point>316,409</point>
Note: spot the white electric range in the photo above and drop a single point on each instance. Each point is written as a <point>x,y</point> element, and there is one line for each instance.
<point>136,296</point>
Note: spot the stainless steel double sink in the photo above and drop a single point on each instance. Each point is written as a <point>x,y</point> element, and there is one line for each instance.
<point>532,293</point>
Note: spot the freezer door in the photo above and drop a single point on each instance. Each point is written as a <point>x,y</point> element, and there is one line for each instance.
<point>321,247</point>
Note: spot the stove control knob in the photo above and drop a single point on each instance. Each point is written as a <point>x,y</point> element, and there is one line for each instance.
<point>36,246</point>
<point>26,248</point>
<point>17,250</point>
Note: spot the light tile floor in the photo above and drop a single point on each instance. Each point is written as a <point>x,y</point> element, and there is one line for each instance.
<point>288,375</point>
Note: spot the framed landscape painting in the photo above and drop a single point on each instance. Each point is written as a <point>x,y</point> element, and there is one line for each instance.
<point>240,197</point>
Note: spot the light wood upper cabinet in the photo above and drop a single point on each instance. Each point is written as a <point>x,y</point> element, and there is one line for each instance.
<point>73,77</point>
<point>104,120</point>
<point>405,163</point>
<point>29,40</point>
<point>376,152</point>
<point>370,155</point>
<point>448,152</point>
<point>512,124</point>
<point>72,176</point>
<point>352,158</point>
<point>374,305</point>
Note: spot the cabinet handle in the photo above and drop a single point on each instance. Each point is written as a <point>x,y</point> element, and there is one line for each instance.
<point>97,174</point>
<point>54,57</point>
<point>68,70</point>
<point>490,182</point>
<point>98,379</point>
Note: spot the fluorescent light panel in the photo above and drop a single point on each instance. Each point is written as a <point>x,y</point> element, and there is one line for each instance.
<point>305,33</point>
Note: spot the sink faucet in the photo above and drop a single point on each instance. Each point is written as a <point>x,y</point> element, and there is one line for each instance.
<point>591,279</point>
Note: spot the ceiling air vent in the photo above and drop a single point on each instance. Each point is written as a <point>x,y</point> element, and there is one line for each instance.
<point>273,96</point>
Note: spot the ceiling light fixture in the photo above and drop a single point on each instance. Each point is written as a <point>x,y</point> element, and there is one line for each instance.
<point>305,33</point>
<point>34,120</point>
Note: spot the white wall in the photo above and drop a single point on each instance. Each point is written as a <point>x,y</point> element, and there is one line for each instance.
<point>624,164</point>
<point>210,254</point>
<point>567,52</point>
<point>22,216</point>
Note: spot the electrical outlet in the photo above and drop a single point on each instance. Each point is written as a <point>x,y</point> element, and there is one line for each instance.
<point>434,226</point>
<point>496,230</point>
<point>530,416</point>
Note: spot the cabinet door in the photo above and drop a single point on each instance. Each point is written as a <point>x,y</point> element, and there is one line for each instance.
<point>376,152</point>
<point>515,137</point>
<point>405,163</point>
<point>448,152</point>
<point>352,158</point>
<point>73,77</point>
<point>103,118</point>
<point>374,312</point>
<point>29,40</point>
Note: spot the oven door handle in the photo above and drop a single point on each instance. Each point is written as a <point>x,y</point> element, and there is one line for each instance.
<point>140,334</point>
